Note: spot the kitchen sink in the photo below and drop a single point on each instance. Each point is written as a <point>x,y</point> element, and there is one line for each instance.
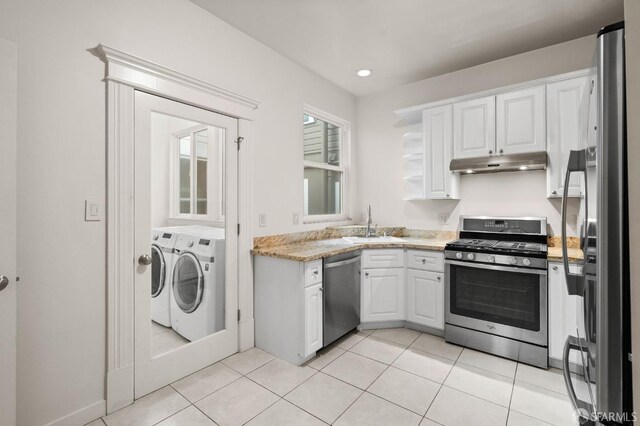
<point>372,240</point>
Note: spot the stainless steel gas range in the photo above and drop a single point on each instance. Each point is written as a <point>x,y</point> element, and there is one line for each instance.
<point>496,287</point>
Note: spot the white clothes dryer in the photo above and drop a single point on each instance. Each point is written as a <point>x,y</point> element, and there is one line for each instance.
<point>198,285</point>
<point>163,243</point>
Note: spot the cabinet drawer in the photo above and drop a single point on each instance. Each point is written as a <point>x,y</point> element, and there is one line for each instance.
<point>312,272</point>
<point>425,260</point>
<point>383,258</point>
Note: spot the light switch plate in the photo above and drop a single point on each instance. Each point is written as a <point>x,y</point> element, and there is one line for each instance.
<point>443,218</point>
<point>262,219</point>
<point>93,211</point>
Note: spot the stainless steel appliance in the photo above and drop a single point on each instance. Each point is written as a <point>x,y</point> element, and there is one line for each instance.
<point>341,289</point>
<point>496,288</point>
<point>603,283</point>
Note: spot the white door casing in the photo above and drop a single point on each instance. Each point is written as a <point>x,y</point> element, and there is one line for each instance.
<point>8,308</point>
<point>124,74</point>
<point>520,121</point>
<point>153,373</point>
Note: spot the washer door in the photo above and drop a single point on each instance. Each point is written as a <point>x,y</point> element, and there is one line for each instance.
<point>158,270</point>
<point>188,282</point>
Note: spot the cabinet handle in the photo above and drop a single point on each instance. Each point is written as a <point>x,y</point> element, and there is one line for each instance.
<point>315,272</point>
<point>321,289</point>
<point>366,274</point>
<point>490,151</point>
<point>555,268</point>
<point>424,261</point>
<point>501,151</point>
<point>439,278</point>
<point>554,192</point>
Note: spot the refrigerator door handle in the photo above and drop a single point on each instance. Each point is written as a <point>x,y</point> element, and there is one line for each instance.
<point>575,282</point>
<point>583,408</point>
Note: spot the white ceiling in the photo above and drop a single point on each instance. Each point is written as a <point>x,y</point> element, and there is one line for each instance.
<point>404,41</point>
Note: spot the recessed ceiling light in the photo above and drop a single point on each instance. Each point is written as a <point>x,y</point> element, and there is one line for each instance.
<point>524,168</point>
<point>469,171</point>
<point>364,73</point>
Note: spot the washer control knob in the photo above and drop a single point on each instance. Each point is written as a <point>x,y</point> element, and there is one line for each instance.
<point>491,258</point>
<point>190,243</point>
<point>155,237</point>
<point>458,255</point>
<point>470,256</point>
<point>526,262</point>
<point>513,260</point>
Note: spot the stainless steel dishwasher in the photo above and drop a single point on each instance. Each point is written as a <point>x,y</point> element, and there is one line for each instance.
<point>341,288</point>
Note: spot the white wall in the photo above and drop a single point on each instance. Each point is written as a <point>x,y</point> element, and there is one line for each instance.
<point>511,194</point>
<point>61,157</point>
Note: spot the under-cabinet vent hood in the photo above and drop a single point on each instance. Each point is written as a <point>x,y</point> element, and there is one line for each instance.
<point>500,163</point>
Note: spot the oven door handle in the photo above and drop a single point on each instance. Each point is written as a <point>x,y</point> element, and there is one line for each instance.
<point>498,267</point>
<point>577,163</point>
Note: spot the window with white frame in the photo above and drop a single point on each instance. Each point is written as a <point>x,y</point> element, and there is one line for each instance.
<point>325,165</point>
<point>198,174</point>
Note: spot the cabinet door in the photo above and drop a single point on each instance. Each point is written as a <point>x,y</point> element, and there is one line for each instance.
<point>564,312</point>
<point>438,150</point>
<point>563,134</point>
<point>312,319</point>
<point>520,121</point>
<point>425,298</point>
<point>382,294</point>
<point>474,128</point>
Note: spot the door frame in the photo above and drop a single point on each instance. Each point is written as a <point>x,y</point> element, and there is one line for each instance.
<point>124,74</point>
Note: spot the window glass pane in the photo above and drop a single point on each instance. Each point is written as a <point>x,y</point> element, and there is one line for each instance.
<point>185,174</point>
<point>322,191</point>
<point>202,145</point>
<point>321,141</point>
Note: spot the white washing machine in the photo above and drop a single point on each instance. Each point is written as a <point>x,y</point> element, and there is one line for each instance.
<point>163,243</point>
<point>198,285</point>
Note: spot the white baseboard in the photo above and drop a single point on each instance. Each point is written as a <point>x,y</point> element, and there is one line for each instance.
<point>83,415</point>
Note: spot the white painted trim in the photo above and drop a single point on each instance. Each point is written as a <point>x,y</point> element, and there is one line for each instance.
<point>82,416</point>
<point>124,75</point>
<point>413,114</point>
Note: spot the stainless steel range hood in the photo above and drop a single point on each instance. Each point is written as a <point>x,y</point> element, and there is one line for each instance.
<point>500,163</point>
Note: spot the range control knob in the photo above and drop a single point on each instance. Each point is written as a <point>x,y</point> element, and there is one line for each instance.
<point>155,237</point>
<point>470,256</point>
<point>513,260</point>
<point>526,262</point>
<point>190,243</point>
<point>458,255</point>
<point>491,258</point>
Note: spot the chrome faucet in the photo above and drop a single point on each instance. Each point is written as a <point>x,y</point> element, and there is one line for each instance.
<point>370,232</point>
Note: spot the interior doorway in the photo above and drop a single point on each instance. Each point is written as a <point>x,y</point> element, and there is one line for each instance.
<point>186,214</point>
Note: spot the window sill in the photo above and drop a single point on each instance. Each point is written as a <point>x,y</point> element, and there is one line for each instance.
<point>311,220</point>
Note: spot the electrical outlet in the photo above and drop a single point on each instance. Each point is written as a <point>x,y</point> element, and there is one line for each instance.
<point>296,218</point>
<point>262,219</point>
<point>443,218</point>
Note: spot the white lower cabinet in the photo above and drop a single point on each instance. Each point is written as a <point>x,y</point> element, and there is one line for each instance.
<point>563,313</point>
<point>425,298</point>
<point>382,295</point>
<point>313,318</point>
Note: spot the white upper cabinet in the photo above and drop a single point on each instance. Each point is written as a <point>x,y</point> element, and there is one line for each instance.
<point>474,127</point>
<point>563,134</point>
<point>520,121</point>
<point>441,183</point>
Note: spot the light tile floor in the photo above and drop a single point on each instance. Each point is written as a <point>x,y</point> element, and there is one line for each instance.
<point>384,377</point>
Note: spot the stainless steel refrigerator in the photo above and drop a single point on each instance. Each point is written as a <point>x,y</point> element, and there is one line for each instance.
<point>601,391</point>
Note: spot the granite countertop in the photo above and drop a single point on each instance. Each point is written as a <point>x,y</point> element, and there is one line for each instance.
<point>314,245</point>
<point>312,250</point>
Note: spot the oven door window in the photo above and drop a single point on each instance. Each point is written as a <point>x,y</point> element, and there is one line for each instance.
<point>497,296</point>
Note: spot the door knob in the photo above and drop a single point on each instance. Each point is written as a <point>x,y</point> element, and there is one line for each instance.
<point>4,282</point>
<point>144,259</point>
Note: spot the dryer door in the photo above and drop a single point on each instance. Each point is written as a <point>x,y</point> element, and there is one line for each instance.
<point>188,282</point>
<point>158,270</point>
